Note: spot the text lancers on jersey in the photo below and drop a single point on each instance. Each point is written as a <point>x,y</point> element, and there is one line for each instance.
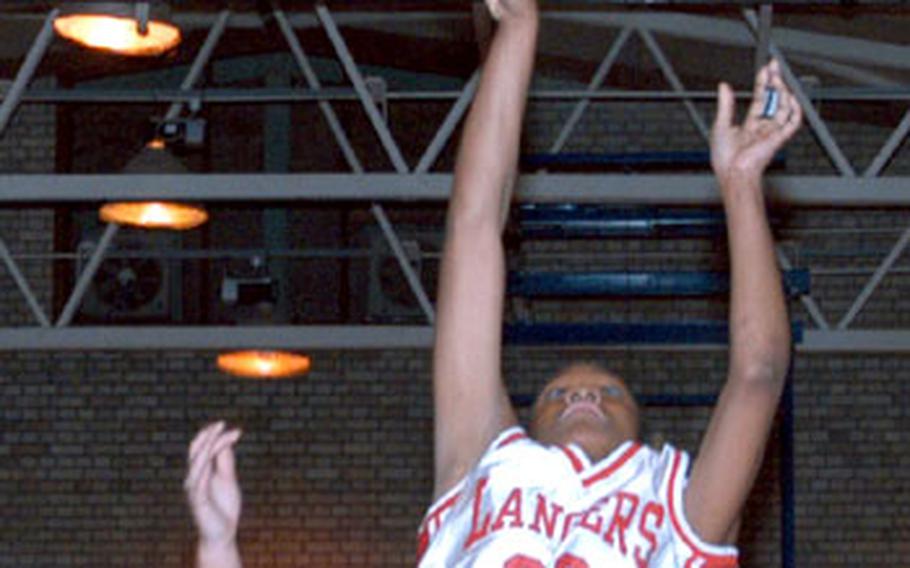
<point>612,517</point>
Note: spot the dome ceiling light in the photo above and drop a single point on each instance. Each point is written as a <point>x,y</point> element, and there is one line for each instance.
<point>136,29</point>
<point>263,364</point>
<point>154,214</point>
<point>154,158</point>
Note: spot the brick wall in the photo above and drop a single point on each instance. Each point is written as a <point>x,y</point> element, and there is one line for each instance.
<point>27,146</point>
<point>851,474</point>
<point>336,466</point>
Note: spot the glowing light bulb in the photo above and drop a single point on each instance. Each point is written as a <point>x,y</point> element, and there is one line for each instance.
<point>118,34</point>
<point>263,364</point>
<point>156,144</point>
<point>154,214</point>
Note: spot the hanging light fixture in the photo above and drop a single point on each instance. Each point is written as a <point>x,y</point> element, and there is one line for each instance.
<point>154,158</point>
<point>263,364</point>
<point>125,28</point>
<point>154,214</point>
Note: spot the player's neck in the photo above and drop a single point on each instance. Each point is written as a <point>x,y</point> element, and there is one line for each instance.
<point>597,450</point>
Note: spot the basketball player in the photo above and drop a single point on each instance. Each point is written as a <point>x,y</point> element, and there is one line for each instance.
<point>580,490</point>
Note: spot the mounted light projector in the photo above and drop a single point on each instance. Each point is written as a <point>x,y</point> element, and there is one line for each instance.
<point>187,131</point>
<point>248,291</point>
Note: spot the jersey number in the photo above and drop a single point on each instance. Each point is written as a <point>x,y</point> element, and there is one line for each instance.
<point>565,561</point>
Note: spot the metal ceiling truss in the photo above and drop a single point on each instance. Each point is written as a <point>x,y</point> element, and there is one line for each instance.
<point>833,54</point>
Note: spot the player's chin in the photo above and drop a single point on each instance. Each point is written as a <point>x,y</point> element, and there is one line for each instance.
<point>588,428</point>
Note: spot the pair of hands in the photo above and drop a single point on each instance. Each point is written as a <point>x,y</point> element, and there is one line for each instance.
<point>211,486</point>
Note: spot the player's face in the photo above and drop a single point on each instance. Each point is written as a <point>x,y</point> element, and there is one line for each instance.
<point>588,406</point>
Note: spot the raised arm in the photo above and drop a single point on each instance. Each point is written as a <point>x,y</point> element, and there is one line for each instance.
<point>732,449</point>
<point>471,404</point>
<point>214,496</point>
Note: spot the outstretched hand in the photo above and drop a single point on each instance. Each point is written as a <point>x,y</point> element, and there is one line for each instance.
<point>747,149</point>
<point>211,485</point>
<point>505,10</point>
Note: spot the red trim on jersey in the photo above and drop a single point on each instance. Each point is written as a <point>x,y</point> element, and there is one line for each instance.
<point>423,536</point>
<point>434,514</point>
<point>577,464</point>
<point>438,510</point>
<point>711,560</point>
<point>423,543</point>
<point>611,468</point>
<point>520,435</point>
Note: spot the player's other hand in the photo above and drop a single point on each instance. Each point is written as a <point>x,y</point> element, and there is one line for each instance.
<point>748,148</point>
<point>211,485</point>
<point>510,10</point>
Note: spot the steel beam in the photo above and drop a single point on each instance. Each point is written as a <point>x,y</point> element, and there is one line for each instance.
<point>808,301</point>
<point>266,95</point>
<point>404,262</point>
<point>312,80</point>
<point>356,78</point>
<point>207,96</point>
<point>23,285</point>
<point>706,28</point>
<point>726,31</point>
<point>27,70</point>
<point>146,338</point>
<point>856,341</point>
<point>596,81</point>
<point>765,14</point>
<point>848,72</point>
<point>812,116</point>
<point>875,280</point>
<point>364,337</point>
<point>201,60</point>
<point>85,278</point>
<point>682,189</point>
<point>891,145</point>
<point>719,30</point>
<point>667,69</point>
<point>435,147</point>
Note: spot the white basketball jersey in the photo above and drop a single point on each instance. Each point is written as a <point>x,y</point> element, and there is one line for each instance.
<point>527,505</point>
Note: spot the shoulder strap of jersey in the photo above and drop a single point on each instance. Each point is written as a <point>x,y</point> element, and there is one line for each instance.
<point>700,553</point>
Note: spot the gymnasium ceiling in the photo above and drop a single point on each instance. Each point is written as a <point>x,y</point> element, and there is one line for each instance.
<point>399,37</point>
<point>850,50</point>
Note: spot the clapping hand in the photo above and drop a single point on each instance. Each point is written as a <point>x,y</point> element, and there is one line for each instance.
<point>211,486</point>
